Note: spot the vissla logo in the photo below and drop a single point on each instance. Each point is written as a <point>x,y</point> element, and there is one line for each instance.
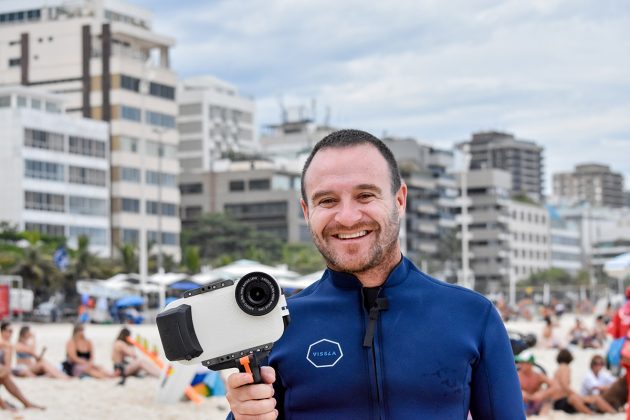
<point>324,353</point>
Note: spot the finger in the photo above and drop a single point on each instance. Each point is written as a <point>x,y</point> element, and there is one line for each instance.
<point>236,380</point>
<point>252,392</point>
<point>257,407</point>
<point>268,374</point>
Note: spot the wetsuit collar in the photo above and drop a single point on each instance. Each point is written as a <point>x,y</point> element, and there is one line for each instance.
<point>350,281</point>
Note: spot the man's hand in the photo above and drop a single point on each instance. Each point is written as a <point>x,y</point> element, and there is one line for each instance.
<point>252,401</point>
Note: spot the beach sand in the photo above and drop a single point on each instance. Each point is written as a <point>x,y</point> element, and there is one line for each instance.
<point>104,399</point>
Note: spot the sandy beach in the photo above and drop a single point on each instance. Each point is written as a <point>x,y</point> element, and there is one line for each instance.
<point>104,399</point>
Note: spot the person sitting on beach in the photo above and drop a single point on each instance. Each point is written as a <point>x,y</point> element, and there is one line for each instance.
<point>579,335</point>
<point>567,400</point>
<point>597,379</point>
<point>549,339</point>
<point>32,363</point>
<point>6,349</point>
<point>80,354</point>
<point>535,385</point>
<point>127,361</point>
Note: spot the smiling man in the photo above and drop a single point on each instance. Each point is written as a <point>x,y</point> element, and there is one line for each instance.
<point>375,338</point>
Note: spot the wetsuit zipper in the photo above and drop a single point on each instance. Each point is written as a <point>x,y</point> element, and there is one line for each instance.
<point>377,305</point>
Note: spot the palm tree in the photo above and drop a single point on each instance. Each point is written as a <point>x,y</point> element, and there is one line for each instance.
<point>37,268</point>
<point>128,258</point>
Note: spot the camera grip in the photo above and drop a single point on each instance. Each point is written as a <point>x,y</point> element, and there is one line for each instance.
<point>250,364</point>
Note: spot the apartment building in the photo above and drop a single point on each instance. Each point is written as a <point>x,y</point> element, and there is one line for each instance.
<point>523,159</point>
<point>109,65</point>
<point>295,136</point>
<point>509,237</point>
<point>566,252</point>
<point>593,183</point>
<point>261,193</point>
<point>431,201</point>
<point>55,169</point>
<point>214,121</point>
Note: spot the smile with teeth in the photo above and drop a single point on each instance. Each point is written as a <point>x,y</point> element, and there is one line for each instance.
<point>352,235</point>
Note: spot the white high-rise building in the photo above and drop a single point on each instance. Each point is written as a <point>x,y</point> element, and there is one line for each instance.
<point>214,120</point>
<point>54,168</point>
<point>103,57</point>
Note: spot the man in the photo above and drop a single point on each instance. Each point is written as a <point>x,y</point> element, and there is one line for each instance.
<point>598,379</point>
<point>375,338</point>
<point>535,385</point>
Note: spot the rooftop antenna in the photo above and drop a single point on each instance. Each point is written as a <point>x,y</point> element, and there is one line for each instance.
<point>327,117</point>
<point>313,109</point>
<point>283,110</point>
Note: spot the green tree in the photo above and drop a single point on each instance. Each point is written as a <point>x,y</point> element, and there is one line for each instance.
<point>552,276</point>
<point>191,260</point>
<point>220,237</point>
<point>128,258</point>
<point>36,267</point>
<point>303,258</point>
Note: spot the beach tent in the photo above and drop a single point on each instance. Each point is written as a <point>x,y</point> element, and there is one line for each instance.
<point>239,268</point>
<point>184,285</point>
<point>300,283</point>
<point>619,268</point>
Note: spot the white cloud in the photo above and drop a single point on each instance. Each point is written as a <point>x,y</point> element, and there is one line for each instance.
<point>553,71</point>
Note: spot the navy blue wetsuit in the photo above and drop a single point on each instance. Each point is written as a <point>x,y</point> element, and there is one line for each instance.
<point>436,352</point>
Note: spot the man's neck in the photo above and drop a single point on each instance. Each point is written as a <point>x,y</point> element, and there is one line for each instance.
<point>378,275</point>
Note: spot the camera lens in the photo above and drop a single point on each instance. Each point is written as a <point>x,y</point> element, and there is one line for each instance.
<point>257,293</point>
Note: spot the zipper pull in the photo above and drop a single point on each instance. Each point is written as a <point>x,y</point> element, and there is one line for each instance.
<point>381,305</point>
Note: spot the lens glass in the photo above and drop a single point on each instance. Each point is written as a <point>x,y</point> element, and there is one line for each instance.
<point>257,294</point>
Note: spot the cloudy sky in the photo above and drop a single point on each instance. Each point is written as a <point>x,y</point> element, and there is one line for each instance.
<point>553,71</point>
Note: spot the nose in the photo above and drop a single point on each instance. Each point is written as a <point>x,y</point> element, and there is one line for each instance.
<point>348,214</point>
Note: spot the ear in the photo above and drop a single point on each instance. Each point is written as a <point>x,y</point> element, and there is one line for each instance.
<point>304,209</point>
<point>401,198</point>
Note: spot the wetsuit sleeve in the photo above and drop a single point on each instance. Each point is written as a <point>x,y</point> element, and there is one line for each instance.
<point>495,389</point>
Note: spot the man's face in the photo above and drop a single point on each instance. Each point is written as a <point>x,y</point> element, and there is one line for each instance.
<point>524,367</point>
<point>352,214</point>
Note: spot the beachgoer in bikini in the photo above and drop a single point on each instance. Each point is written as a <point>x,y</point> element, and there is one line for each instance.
<point>125,358</point>
<point>31,361</point>
<point>6,350</point>
<point>80,354</point>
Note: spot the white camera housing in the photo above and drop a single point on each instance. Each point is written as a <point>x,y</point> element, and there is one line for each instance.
<point>224,321</point>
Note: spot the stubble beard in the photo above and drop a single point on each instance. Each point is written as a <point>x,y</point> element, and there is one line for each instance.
<point>382,248</point>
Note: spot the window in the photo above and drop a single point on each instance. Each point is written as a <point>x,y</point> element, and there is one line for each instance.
<point>190,109</point>
<point>162,91</point>
<point>87,205</point>
<point>53,107</point>
<point>43,140</point>
<point>237,185</point>
<point>168,238</point>
<point>34,200</point>
<point>155,148</point>
<point>168,209</point>
<point>130,113</point>
<point>97,236</point>
<point>165,180</point>
<point>259,184</point>
<point>129,174</point>
<point>130,83</point>
<point>130,236</point>
<point>86,147</point>
<point>196,188</point>
<point>5,101</point>
<point>130,205</point>
<point>87,176</point>
<point>43,170</point>
<point>15,62</point>
<point>21,101</point>
<point>36,103</point>
<point>159,119</point>
<point>129,144</point>
<point>45,228</point>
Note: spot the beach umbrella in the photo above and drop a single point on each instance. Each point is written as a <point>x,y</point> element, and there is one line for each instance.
<point>184,285</point>
<point>131,300</point>
<point>619,268</point>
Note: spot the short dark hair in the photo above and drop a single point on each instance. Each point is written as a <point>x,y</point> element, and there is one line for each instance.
<point>347,138</point>
<point>564,356</point>
<point>4,325</point>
